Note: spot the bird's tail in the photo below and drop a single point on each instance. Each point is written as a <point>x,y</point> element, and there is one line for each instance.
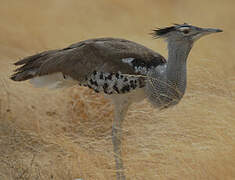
<point>30,70</point>
<point>30,66</point>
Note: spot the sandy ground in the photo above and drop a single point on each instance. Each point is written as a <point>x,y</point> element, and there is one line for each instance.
<point>65,134</point>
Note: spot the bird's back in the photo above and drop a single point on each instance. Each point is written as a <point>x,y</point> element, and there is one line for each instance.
<point>106,65</point>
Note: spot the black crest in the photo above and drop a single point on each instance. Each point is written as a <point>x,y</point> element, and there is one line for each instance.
<point>162,31</point>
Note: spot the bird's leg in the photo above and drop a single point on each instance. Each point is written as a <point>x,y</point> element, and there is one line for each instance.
<point>121,107</point>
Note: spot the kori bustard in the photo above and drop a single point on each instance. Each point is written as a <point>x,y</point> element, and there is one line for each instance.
<point>124,70</point>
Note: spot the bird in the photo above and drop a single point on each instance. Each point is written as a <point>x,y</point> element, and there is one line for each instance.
<point>123,70</point>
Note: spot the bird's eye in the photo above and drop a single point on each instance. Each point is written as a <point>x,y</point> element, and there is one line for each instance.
<point>186,31</point>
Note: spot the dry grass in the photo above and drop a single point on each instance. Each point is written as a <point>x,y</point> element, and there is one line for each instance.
<point>66,134</point>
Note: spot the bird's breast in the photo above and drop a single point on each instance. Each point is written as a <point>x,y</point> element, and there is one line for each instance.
<point>159,91</point>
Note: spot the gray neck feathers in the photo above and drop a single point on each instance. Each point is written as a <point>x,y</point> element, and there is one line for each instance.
<point>176,73</point>
<point>166,84</point>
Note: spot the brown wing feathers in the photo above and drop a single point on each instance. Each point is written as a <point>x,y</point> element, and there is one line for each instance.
<point>72,61</point>
<point>80,59</point>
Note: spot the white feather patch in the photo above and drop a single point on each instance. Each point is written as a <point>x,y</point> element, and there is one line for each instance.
<point>184,28</point>
<point>128,60</point>
<point>53,81</point>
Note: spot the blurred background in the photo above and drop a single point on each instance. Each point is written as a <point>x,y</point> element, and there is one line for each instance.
<point>65,134</point>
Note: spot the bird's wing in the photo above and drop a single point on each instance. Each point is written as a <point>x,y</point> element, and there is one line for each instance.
<point>81,59</point>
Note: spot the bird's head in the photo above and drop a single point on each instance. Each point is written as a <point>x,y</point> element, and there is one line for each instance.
<point>183,32</point>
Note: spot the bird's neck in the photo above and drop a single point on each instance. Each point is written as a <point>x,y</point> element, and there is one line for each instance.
<point>176,73</point>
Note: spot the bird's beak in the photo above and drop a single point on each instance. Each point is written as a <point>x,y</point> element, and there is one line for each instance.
<point>205,31</point>
<point>210,30</point>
